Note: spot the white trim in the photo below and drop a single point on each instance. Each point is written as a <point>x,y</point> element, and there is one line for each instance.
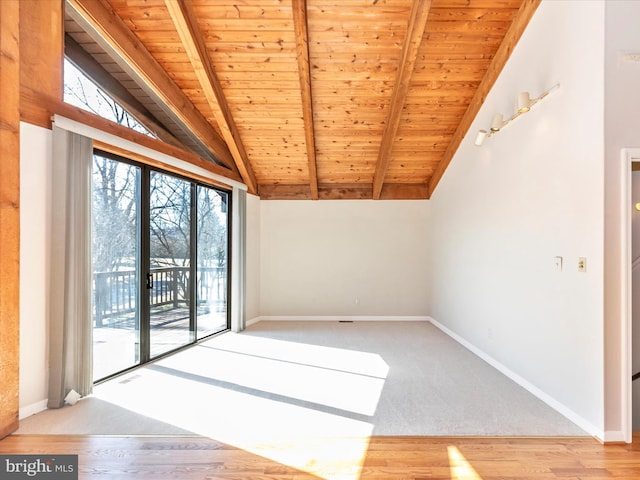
<point>32,409</point>
<point>553,403</point>
<point>97,134</point>
<point>614,436</point>
<point>628,155</point>
<point>253,321</point>
<point>337,318</point>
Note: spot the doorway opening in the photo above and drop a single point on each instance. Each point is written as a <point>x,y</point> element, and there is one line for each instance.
<point>630,283</point>
<point>635,290</point>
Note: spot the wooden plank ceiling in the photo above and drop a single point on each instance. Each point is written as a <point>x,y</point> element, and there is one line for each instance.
<point>315,99</point>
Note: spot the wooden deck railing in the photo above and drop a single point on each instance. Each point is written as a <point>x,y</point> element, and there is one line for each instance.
<point>115,293</point>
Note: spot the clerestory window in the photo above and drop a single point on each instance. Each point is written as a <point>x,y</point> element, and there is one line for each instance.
<point>81,91</point>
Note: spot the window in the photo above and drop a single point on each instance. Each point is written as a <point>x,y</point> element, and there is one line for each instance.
<point>81,91</point>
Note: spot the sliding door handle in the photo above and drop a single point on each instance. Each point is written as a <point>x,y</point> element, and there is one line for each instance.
<point>149,281</point>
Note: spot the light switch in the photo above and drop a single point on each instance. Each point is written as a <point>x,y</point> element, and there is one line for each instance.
<point>558,264</point>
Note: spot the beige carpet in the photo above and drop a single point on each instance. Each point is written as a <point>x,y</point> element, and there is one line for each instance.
<point>288,379</point>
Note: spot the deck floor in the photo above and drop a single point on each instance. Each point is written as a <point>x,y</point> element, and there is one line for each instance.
<point>116,345</point>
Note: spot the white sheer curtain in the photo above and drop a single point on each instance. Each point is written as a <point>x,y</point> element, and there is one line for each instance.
<point>70,342</point>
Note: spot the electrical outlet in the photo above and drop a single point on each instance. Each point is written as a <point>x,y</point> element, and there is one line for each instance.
<point>582,264</point>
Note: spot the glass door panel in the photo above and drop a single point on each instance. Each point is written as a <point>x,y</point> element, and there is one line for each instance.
<point>115,265</point>
<point>170,325</point>
<point>212,260</point>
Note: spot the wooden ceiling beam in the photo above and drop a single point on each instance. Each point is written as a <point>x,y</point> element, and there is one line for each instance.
<point>92,69</point>
<point>100,17</point>
<point>410,48</point>
<point>57,106</point>
<point>186,23</point>
<point>343,191</point>
<point>284,192</point>
<point>302,47</point>
<point>519,24</point>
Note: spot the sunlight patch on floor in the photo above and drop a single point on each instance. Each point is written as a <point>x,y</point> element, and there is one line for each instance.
<point>461,469</point>
<point>340,379</point>
<point>354,361</point>
<point>284,401</point>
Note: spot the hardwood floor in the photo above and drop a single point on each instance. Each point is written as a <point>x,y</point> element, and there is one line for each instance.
<point>486,458</point>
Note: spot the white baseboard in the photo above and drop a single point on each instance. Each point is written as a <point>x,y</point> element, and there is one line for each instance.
<point>553,403</point>
<point>252,321</point>
<point>32,409</point>
<point>338,318</point>
<point>614,436</point>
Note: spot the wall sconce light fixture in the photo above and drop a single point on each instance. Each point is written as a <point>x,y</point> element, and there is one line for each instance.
<point>498,123</point>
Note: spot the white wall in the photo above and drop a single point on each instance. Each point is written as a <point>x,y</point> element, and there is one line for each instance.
<point>35,218</point>
<point>504,211</point>
<point>622,107</point>
<point>343,258</point>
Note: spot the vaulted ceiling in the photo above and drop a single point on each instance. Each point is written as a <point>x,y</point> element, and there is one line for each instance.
<point>304,99</point>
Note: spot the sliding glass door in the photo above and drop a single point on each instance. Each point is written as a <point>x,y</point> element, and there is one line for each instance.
<point>169,271</point>
<point>160,263</point>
